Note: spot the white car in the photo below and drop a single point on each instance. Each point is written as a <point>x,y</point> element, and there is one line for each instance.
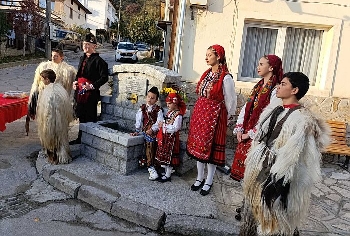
<point>126,51</point>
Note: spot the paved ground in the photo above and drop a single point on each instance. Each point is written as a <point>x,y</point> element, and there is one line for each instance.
<point>186,212</point>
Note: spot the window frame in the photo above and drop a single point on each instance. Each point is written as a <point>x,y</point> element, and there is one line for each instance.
<point>280,41</point>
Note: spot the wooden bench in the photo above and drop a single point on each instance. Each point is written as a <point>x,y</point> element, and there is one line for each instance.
<point>338,144</point>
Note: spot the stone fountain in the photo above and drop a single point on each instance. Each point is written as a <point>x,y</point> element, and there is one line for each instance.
<point>108,141</point>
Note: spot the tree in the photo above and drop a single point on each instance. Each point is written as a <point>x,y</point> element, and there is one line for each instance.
<point>77,28</point>
<point>28,20</point>
<point>143,29</point>
<point>138,19</point>
<point>4,27</point>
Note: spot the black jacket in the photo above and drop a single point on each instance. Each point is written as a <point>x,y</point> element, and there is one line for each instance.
<point>95,70</point>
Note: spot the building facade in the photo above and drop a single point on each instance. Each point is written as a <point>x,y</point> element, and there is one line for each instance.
<point>102,15</point>
<point>309,36</point>
<point>71,12</point>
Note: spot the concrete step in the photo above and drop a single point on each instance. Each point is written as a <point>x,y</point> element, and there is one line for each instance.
<point>170,206</point>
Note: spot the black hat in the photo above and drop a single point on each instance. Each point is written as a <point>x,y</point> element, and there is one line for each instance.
<point>154,90</point>
<point>90,38</point>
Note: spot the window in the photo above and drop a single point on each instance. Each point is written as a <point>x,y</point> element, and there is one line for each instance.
<point>299,49</point>
<point>79,16</point>
<point>71,13</point>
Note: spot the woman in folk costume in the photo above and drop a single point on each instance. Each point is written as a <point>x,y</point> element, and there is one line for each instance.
<point>168,137</point>
<point>270,69</point>
<point>277,181</point>
<point>65,75</point>
<point>54,112</point>
<point>207,133</point>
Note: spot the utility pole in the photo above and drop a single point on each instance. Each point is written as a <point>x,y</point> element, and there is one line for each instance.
<point>48,22</point>
<point>120,6</point>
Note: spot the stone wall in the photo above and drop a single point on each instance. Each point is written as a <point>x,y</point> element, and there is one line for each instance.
<point>118,107</point>
<point>138,79</point>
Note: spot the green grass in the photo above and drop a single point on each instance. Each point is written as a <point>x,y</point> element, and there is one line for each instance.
<point>8,59</point>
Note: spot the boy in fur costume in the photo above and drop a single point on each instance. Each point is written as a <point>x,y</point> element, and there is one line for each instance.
<point>54,112</point>
<point>283,163</point>
<point>65,75</point>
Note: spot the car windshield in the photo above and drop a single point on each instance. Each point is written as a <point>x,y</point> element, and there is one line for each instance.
<point>126,46</point>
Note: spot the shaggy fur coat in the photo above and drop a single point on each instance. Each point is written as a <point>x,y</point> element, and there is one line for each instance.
<point>293,168</point>
<point>65,75</point>
<point>54,112</point>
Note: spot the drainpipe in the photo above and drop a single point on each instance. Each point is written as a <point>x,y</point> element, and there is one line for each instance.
<point>174,24</point>
<point>179,35</point>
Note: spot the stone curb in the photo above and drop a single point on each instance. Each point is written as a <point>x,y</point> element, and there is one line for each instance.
<point>111,201</point>
<point>24,62</point>
<point>99,198</point>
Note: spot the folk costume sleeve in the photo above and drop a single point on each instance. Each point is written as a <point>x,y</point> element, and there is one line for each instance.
<point>229,95</point>
<point>252,132</point>
<point>160,118</point>
<point>138,121</point>
<point>176,126</point>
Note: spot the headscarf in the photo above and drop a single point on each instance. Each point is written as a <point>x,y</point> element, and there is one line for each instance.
<point>276,63</point>
<point>260,97</point>
<point>176,99</point>
<point>220,51</point>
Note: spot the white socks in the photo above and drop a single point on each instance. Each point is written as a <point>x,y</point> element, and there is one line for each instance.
<point>168,171</point>
<point>200,173</point>
<point>210,176</point>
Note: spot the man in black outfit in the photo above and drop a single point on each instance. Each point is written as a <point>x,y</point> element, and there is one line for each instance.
<point>92,74</point>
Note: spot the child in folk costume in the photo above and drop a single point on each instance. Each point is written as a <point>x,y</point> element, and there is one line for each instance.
<point>283,163</point>
<point>147,119</point>
<point>168,149</point>
<point>54,112</point>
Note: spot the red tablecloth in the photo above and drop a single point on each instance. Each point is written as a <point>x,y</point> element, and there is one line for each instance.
<point>12,109</point>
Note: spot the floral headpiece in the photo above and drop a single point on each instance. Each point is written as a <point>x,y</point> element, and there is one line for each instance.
<point>176,99</point>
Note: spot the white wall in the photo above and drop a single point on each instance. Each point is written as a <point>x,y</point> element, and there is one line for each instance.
<point>220,24</point>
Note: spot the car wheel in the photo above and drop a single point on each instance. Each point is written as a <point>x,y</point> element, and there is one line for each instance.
<point>77,50</point>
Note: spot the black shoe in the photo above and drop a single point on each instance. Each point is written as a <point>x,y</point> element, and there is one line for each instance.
<point>206,192</point>
<point>164,179</point>
<point>196,188</point>
<point>239,209</point>
<point>238,217</point>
